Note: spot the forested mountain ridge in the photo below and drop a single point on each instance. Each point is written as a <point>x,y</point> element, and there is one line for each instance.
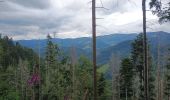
<point>102,66</point>
<point>123,49</point>
<point>26,76</point>
<point>85,42</point>
<point>106,45</point>
<point>11,52</point>
<point>57,70</point>
<point>16,67</point>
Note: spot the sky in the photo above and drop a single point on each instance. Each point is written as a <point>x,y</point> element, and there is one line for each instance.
<point>34,19</point>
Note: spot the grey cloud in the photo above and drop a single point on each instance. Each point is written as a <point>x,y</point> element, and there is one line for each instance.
<point>118,6</point>
<point>20,18</point>
<point>40,4</point>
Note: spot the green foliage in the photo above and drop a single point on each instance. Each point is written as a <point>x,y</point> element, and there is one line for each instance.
<point>126,79</point>
<point>137,55</point>
<point>137,61</point>
<point>151,79</point>
<point>103,69</point>
<point>57,82</point>
<point>61,79</point>
<point>1,53</point>
<point>167,81</point>
<point>7,86</point>
<point>101,85</point>
<point>161,10</point>
<point>52,71</point>
<point>84,78</point>
<point>12,54</point>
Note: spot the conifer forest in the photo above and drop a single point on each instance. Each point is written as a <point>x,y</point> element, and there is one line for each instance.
<point>84,49</point>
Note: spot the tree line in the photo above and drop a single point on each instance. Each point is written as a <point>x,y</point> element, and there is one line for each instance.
<point>25,76</point>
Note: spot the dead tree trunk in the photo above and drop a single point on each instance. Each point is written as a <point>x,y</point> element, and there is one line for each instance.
<point>85,94</point>
<point>94,47</point>
<point>145,51</point>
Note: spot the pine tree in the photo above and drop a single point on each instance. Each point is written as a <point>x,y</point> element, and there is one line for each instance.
<point>52,70</point>
<point>23,77</point>
<point>7,84</point>
<point>15,66</point>
<point>115,66</point>
<point>151,79</point>
<point>58,78</point>
<point>137,61</point>
<point>167,82</point>
<point>126,79</point>
<point>73,56</point>
<point>84,82</point>
<point>101,86</point>
<point>1,53</point>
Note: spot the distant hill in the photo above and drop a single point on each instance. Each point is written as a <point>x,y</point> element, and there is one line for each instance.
<point>84,43</point>
<point>123,49</point>
<point>106,45</point>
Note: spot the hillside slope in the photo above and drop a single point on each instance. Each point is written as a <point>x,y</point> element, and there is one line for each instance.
<point>106,45</point>
<point>123,48</point>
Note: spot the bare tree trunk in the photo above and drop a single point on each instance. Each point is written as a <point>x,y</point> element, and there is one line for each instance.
<point>39,71</point>
<point>119,85</point>
<point>161,90</point>
<point>33,97</point>
<point>21,78</point>
<point>114,65</point>
<point>126,93</point>
<point>16,81</point>
<point>145,51</point>
<point>112,87</point>
<point>85,94</point>
<point>73,62</point>
<point>33,94</point>
<point>94,48</point>
<point>158,70</point>
<point>26,93</point>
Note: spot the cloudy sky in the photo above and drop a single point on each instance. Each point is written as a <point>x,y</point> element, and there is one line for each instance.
<point>33,19</point>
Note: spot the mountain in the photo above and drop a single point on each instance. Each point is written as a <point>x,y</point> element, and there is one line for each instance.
<point>123,49</point>
<point>84,43</point>
<point>106,45</point>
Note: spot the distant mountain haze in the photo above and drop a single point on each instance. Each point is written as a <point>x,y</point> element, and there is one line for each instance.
<point>106,45</point>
